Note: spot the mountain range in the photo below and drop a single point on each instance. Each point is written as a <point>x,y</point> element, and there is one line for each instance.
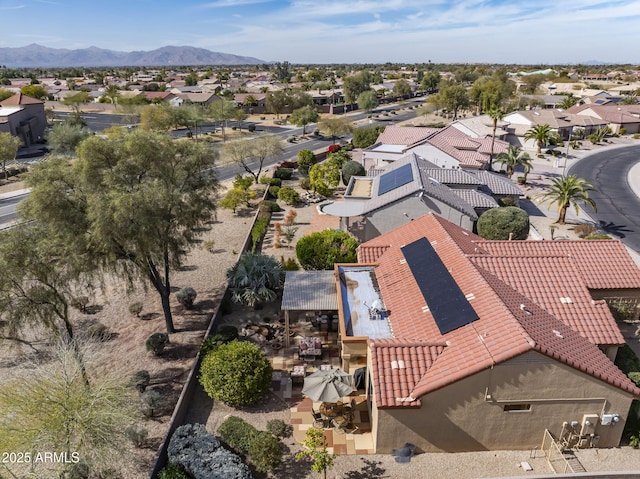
<point>34,56</point>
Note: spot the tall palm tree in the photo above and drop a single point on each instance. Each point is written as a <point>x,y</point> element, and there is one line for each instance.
<point>513,157</point>
<point>496,114</point>
<point>567,190</point>
<point>539,133</point>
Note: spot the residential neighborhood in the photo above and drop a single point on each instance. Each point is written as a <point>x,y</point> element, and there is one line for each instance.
<point>315,268</point>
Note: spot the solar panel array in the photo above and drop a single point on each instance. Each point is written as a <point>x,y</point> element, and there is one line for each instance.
<point>446,301</point>
<point>394,179</point>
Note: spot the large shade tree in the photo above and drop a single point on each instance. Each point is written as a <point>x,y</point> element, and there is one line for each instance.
<point>250,152</point>
<point>566,191</point>
<point>132,202</point>
<point>303,116</point>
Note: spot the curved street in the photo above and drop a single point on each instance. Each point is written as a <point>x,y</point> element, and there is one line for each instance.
<point>618,206</point>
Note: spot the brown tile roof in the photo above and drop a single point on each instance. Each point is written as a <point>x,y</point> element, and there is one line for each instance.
<point>403,135</point>
<point>20,99</point>
<point>554,284</point>
<point>504,329</point>
<point>456,144</point>
<point>602,264</point>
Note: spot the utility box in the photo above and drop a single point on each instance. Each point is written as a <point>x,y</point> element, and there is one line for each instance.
<point>589,422</point>
<point>609,419</point>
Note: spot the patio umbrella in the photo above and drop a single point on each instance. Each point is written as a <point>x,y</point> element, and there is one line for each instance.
<point>327,385</point>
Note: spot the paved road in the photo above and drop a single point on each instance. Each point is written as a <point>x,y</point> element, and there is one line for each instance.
<point>618,206</point>
<point>8,205</point>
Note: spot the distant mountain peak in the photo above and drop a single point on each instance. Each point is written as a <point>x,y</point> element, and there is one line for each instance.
<point>35,55</point>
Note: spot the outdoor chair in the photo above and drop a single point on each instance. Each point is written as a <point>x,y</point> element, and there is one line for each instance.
<point>318,421</point>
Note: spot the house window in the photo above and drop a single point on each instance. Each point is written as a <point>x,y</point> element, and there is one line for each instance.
<point>522,407</point>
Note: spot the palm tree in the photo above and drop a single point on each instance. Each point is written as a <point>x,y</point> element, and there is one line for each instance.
<point>513,157</point>
<point>568,102</point>
<point>496,114</point>
<point>255,279</point>
<point>567,190</point>
<point>539,133</point>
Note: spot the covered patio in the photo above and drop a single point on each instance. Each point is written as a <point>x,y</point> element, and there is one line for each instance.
<point>310,296</point>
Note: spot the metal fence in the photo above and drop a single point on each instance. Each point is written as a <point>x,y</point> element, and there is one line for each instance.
<point>555,455</point>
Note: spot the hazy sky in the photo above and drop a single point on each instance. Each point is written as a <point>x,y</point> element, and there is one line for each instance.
<point>343,31</point>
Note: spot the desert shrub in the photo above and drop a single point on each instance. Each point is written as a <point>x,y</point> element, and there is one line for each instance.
<point>225,334</point>
<point>79,470</point>
<point>507,201</point>
<point>200,454</point>
<point>333,148</point>
<point>265,452</point>
<point>242,182</point>
<point>278,428</point>
<point>288,195</point>
<point>623,131</point>
<point>157,342</point>
<point>635,377</point>
<point>149,402</point>
<point>306,159</point>
<point>323,249</point>
<point>584,230</point>
<point>274,190</point>
<point>289,264</point>
<point>80,303</point>
<point>500,223</point>
<point>98,332</point>
<point>236,373</point>
<point>351,168</point>
<point>305,183</point>
<point>265,180</point>
<point>135,308</point>
<point>270,206</point>
<point>366,135</point>
<point>186,297</point>
<point>275,182</point>
<point>237,433</point>
<point>209,245</point>
<point>288,164</point>
<point>598,236</point>
<point>140,380</point>
<point>636,136</point>
<point>283,173</point>
<point>257,232</point>
<point>174,471</point>
<point>137,434</point>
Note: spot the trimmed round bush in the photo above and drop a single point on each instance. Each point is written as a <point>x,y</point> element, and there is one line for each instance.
<point>237,433</point>
<point>352,168</point>
<point>274,190</point>
<point>270,206</point>
<point>98,332</point>
<point>157,342</point>
<point>283,173</point>
<point>186,297</point>
<point>265,452</point>
<point>278,427</point>
<point>275,182</point>
<point>288,195</point>
<point>323,249</point>
<point>500,223</point>
<point>140,380</point>
<point>135,308</point>
<point>236,373</point>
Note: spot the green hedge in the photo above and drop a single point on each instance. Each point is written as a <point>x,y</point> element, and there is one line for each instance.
<point>283,173</point>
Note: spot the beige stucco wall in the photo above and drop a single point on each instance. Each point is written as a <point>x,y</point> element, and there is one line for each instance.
<point>459,418</point>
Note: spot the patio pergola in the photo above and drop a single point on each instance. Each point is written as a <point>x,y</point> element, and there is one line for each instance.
<point>308,291</point>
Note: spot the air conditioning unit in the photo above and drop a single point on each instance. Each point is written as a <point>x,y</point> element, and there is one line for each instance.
<point>609,419</point>
<point>589,422</point>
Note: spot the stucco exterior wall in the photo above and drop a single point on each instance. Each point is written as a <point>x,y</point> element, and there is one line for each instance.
<point>436,156</point>
<point>34,124</point>
<point>470,415</point>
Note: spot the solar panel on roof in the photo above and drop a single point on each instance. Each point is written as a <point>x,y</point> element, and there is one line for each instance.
<point>446,301</point>
<point>394,179</point>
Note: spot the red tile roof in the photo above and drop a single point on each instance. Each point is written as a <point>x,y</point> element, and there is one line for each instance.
<point>504,329</point>
<point>554,284</point>
<point>403,135</point>
<point>602,264</point>
<point>20,99</point>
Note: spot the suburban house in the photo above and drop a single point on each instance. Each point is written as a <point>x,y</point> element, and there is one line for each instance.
<point>562,122</point>
<point>480,127</point>
<point>24,117</point>
<point>477,345</point>
<point>447,147</point>
<point>160,97</point>
<point>614,116</point>
<point>410,187</point>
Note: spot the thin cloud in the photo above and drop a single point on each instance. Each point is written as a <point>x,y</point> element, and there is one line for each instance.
<point>232,3</point>
<point>11,7</point>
